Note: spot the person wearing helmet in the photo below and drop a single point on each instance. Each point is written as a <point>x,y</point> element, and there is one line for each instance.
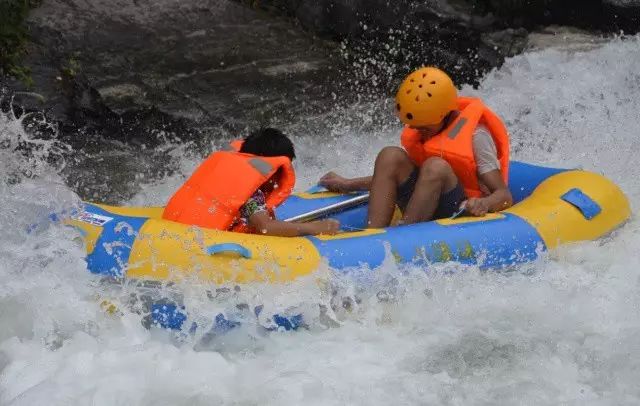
<point>455,156</point>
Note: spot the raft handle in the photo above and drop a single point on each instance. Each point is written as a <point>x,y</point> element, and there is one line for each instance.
<point>228,247</point>
<point>581,201</point>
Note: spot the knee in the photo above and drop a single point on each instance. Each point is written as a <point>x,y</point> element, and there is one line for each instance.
<point>436,169</point>
<point>392,157</point>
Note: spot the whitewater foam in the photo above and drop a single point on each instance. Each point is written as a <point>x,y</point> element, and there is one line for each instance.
<point>560,330</point>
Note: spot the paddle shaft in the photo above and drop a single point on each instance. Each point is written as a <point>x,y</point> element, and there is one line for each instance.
<point>334,208</point>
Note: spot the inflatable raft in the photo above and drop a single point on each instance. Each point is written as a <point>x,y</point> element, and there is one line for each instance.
<point>551,207</point>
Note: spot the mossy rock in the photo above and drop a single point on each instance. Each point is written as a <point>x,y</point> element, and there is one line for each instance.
<point>14,36</point>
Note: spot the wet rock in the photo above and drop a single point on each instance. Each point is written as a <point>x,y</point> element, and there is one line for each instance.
<point>119,78</point>
<point>565,38</point>
<point>222,66</point>
<point>215,64</point>
<point>466,37</point>
<point>623,3</point>
<point>626,14</point>
<point>118,74</point>
<point>349,18</point>
<point>507,42</point>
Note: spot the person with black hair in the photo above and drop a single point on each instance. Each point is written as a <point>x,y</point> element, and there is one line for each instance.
<point>237,190</point>
<point>268,142</point>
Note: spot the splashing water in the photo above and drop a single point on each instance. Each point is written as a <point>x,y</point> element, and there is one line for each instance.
<point>559,330</point>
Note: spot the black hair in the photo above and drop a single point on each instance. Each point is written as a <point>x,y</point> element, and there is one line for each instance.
<point>268,142</point>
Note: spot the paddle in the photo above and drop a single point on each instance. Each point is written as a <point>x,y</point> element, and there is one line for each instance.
<point>332,208</point>
<point>346,204</point>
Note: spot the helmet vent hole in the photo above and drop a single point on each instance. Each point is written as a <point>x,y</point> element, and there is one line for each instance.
<point>429,94</point>
<point>417,98</point>
<point>424,75</point>
<point>420,86</point>
<point>398,106</point>
<point>408,91</point>
<point>409,116</point>
<point>433,82</point>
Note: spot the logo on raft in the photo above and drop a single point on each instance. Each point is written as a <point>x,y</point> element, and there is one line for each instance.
<point>92,218</point>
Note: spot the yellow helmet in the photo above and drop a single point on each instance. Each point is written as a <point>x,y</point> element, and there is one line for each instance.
<point>425,97</point>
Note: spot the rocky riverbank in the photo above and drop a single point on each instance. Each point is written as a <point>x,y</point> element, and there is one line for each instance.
<point>123,77</point>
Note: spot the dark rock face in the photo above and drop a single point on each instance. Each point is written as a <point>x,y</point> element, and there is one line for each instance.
<point>346,18</point>
<point>101,63</point>
<point>466,37</point>
<point>226,65</point>
<point>120,77</point>
<point>342,18</point>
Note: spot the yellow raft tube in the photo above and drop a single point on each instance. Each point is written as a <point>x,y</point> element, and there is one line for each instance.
<point>553,207</point>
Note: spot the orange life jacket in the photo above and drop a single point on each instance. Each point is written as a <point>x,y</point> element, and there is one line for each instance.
<point>234,145</point>
<point>222,184</point>
<point>455,143</point>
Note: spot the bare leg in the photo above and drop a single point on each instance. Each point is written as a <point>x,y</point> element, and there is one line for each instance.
<point>435,178</point>
<point>393,167</point>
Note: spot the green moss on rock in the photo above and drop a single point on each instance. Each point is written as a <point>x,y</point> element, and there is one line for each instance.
<point>14,36</point>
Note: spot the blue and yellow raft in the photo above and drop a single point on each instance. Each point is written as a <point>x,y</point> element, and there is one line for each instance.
<point>552,207</point>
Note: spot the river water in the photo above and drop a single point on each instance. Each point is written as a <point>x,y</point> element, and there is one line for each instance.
<point>561,330</point>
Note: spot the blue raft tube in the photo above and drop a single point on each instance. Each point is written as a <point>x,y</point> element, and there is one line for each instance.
<point>551,207</point>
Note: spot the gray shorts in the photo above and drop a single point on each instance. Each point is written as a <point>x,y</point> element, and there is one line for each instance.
<point>448,204</point>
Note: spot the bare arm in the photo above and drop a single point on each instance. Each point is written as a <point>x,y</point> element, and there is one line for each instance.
<point>262,223</point>
<point>363,183</point>
<point>499,197</point>
<point>337,183</point>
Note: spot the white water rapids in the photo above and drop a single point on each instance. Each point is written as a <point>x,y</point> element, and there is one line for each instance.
<point>562,330</point>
